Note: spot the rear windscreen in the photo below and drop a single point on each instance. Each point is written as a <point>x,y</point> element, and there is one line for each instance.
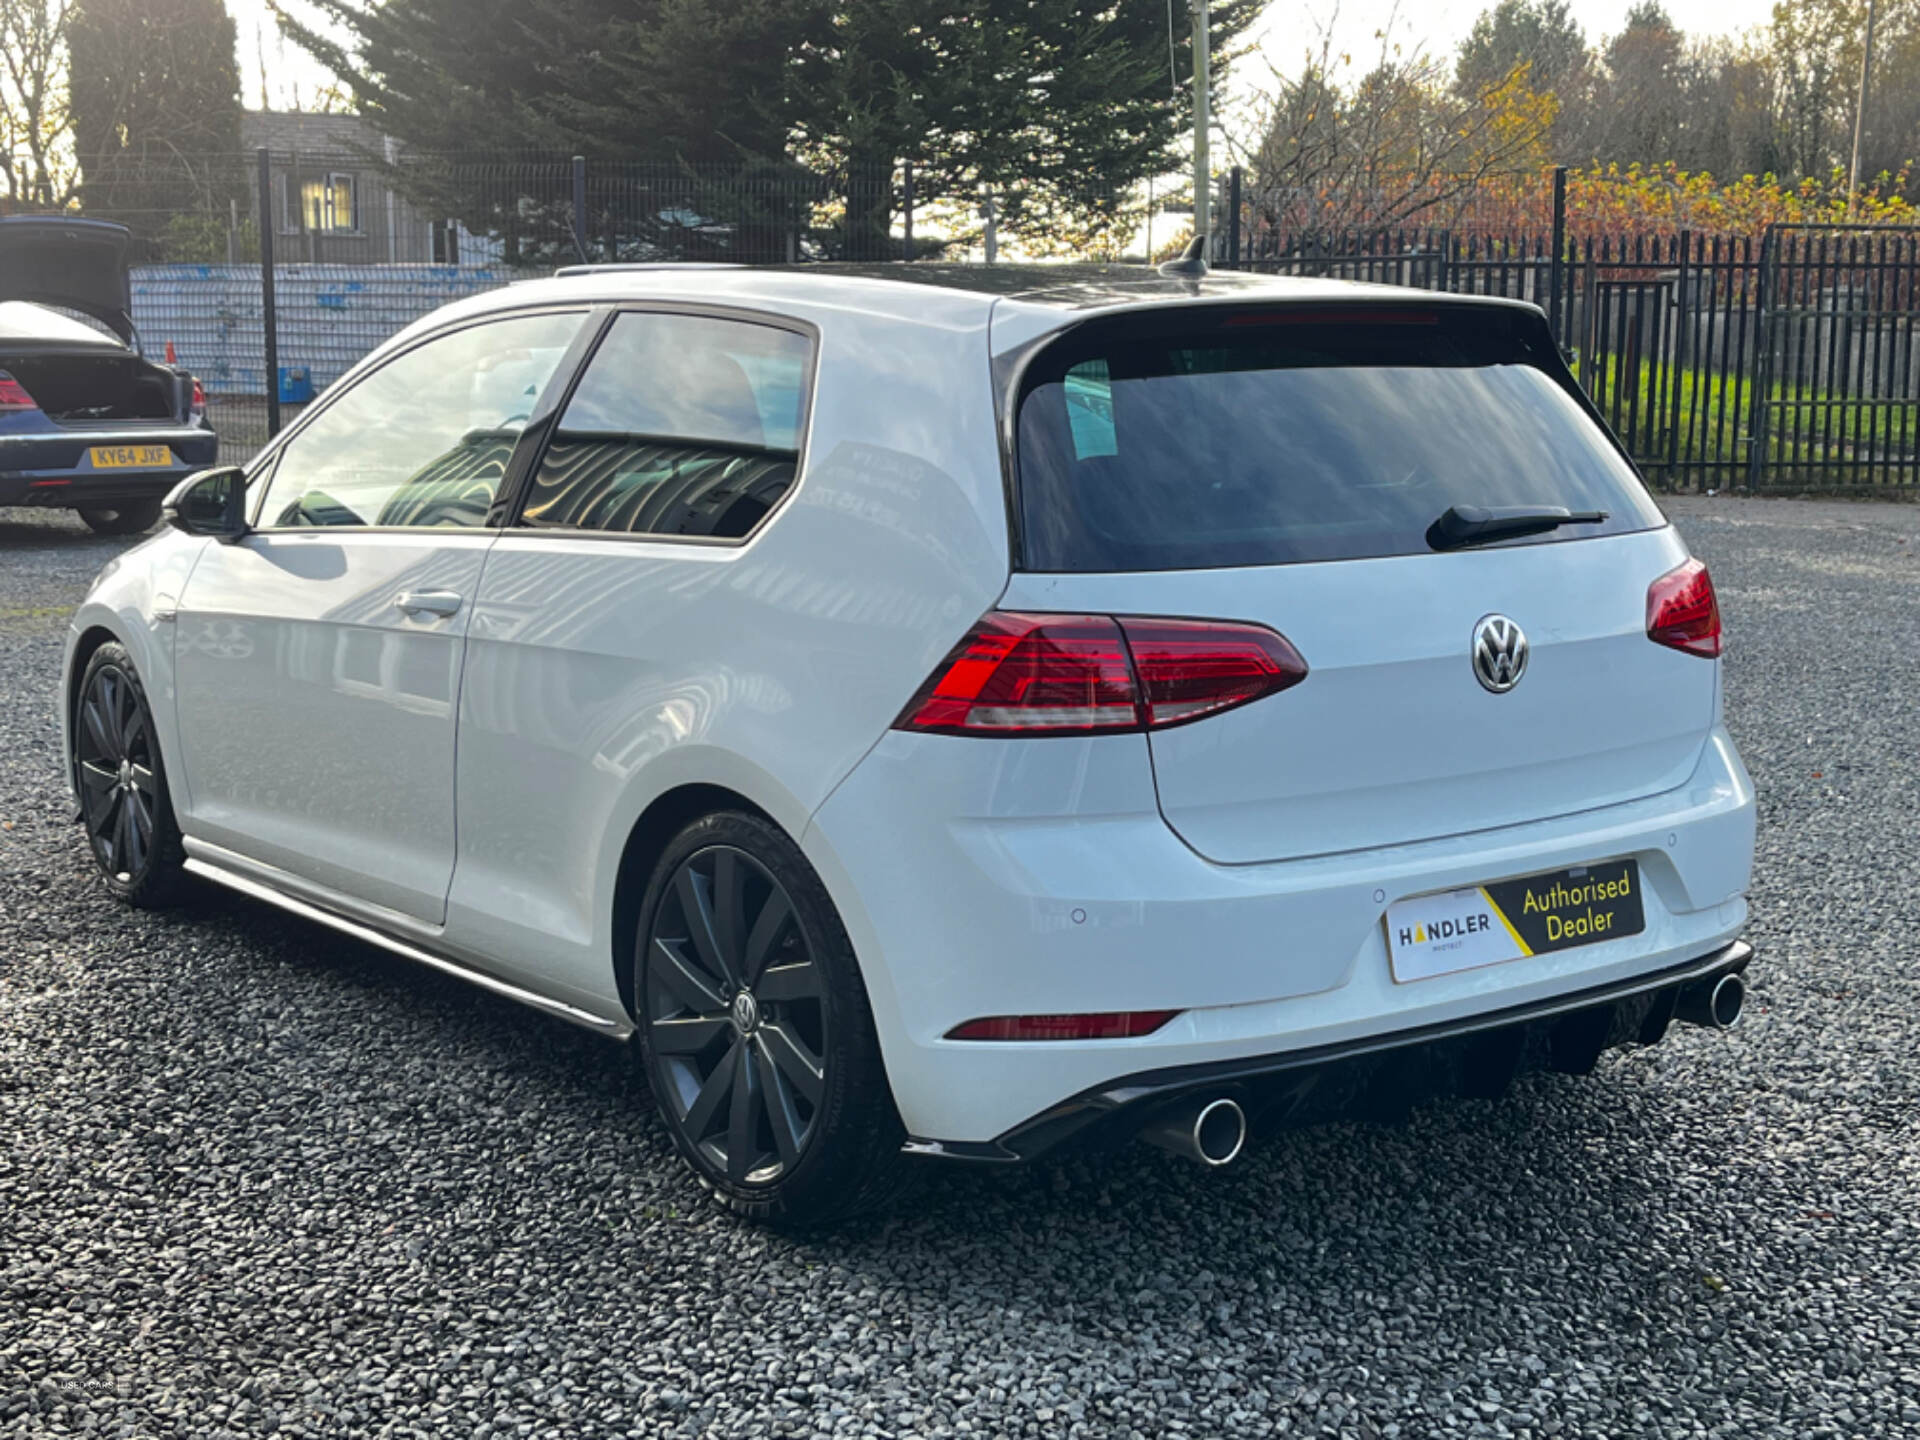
<point>1270,437</point>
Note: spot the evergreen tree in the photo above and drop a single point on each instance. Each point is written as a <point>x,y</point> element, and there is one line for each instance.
<point>155,104</point>
<point>1056,110</point>
<point>1541,34</point>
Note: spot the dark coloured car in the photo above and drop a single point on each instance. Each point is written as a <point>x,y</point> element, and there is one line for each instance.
<point>87,422</point>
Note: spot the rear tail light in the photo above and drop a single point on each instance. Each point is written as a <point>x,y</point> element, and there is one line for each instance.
<point>1030,675</point>
<point>199,397</point>
<point>1683,612</point>
<point>13,395</point>
<point>1114,1025</point>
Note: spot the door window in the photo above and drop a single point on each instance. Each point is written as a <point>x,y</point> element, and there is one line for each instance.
<point>423,440</point>
<point>682,425</point>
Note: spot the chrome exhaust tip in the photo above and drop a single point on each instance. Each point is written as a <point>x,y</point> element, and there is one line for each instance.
<point>1213,1132</point>
<point>1715,1004</point>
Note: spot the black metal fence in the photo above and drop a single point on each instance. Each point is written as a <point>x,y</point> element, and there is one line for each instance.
<point>1790,363</point>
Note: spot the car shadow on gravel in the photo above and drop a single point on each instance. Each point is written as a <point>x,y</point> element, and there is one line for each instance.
<point>1306,1202</point>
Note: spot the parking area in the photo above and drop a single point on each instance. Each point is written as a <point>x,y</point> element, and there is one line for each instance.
<point>256,1178</point>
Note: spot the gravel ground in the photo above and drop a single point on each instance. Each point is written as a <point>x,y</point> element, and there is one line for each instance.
<point>256,1179</point>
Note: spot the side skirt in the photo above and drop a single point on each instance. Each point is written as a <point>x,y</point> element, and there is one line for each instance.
<point>209,869</point>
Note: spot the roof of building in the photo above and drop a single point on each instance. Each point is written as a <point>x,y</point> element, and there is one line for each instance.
<point>308,133</point>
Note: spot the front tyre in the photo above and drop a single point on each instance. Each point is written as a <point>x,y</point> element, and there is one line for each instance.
<point>135,517</point>
<point>759,1042</point>
<point>124,801</point>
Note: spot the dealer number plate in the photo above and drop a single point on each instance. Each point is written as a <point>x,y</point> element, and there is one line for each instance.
<point>1511,919</point>
<point>130,457</point>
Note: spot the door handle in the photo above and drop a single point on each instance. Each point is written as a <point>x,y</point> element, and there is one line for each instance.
<point>427,602</point>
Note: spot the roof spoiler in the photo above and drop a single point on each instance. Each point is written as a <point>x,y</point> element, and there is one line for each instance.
<point>1192,264</point>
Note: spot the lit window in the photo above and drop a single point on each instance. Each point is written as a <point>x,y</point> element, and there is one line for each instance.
<point>327,204</point>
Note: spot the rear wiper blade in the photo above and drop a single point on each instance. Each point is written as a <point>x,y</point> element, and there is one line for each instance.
<point>1464,525</point>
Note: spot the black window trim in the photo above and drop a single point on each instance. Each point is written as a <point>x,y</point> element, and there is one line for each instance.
<point>806,329</point>
<point>593,316</point>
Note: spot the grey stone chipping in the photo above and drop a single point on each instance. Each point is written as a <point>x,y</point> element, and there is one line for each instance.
<point>256,1179</point>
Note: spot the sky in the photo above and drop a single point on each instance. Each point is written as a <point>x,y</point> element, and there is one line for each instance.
<point>1291,28</point>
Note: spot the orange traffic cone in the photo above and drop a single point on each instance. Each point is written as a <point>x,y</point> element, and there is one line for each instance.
<point>170,356</point>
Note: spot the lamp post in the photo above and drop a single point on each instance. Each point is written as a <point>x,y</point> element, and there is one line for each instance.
<point>1860,113</point>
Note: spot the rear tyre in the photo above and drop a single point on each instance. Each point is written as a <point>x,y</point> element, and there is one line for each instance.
<point>758,1039</point>
<point>124,801</point>
<point>136,517</point>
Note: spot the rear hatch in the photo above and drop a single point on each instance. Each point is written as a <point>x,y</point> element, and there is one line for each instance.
<point>1287,466</point>
<point>75,264</point>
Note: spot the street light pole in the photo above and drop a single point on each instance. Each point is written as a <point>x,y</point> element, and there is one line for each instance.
<point>1860,113</point>
<point>1202,117</point>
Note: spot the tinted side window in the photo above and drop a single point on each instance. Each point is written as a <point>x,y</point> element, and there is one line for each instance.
<point>682,425</point>
<point>424,439</point>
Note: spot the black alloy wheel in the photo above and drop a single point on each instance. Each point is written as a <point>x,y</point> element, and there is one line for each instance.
<point>757,1035</point>
<point>123,790</point>
<point>736,1016</point>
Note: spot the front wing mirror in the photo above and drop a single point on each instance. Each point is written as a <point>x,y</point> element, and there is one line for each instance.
<point>213,502</point>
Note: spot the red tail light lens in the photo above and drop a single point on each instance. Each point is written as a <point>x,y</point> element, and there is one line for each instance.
<point>1032,675</point>
<point>13,395</point>
<point>1683,612</point>
<point>199,397</point>
<point>1114,1025</point>
<point>1191,668</point>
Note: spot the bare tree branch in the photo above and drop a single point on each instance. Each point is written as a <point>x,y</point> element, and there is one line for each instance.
<point>35,127</point>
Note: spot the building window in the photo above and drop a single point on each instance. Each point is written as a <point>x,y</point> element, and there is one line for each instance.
<point>328,204</point>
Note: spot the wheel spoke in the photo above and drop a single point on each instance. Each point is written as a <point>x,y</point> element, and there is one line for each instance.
<point>143,780</point>
<point>96,722</point>
<point>688,1035</point>
<point>96,777</point>
<point>127,713</point>
<point>133,729</point>
<point>107,832</point>
<point>798,981</point>
<point>110,710</point>
<point>799,1064</point>
<point>782,1118</point>
<point>713,1093</point>
<point>693,989</point>
<point>123,838</point>
<point>136,838</point>
<point>696,908</point>
<point>727,907</point>
<point>767,929</point>
<point>743,1121</point>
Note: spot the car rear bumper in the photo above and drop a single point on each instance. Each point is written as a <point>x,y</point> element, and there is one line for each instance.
<point>1476,1052</point>
<point>986,878</point>
<point>57,470</point>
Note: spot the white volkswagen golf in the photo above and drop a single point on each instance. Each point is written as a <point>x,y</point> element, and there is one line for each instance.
<point>953,712</point>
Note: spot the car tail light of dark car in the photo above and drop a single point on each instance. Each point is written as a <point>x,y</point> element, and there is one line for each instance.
<point>13,395</point>
<point>1031,675</point>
